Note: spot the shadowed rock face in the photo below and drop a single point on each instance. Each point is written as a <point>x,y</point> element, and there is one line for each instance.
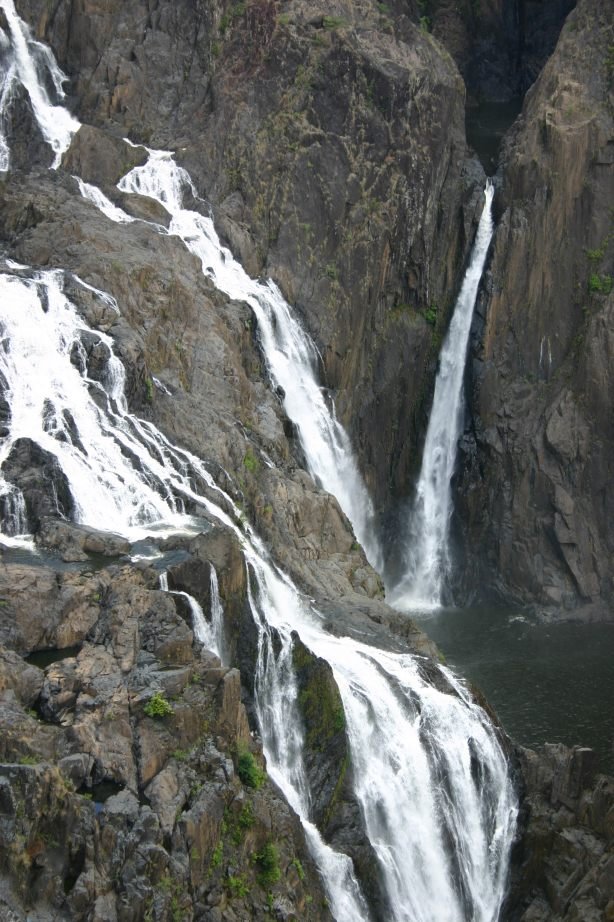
<point>535,489</point>
<point>500,46</point>
<point>567,816</point>
<point>38,475</point>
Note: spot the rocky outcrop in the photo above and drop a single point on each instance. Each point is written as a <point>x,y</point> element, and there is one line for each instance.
<point>39,477</point>
<point>563,869</point>
<point>123,788</point>
<point>535,493</point>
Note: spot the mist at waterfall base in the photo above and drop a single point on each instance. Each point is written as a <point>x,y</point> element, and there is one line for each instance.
<point>429,774</point>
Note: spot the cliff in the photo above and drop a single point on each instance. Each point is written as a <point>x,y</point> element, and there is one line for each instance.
<point>330,142</point>
<point>535,488</point>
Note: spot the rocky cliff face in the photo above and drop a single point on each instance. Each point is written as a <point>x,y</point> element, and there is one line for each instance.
<point>330,141</point>
<point>500,46</point>
<point>564,864</point>
<point>536,491</point>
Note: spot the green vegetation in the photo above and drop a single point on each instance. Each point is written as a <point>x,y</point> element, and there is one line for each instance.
<point>251,462</point>
<point>337,792</point>
<point>425,19</point>
<point>267,862</point>
<point>29,760</point>
<point>319,698</point>
<point>430,315</point>
<point>216,857</point>
<point>237,886</point>
<point>600,284</point>
<point>237,825</point>
<point>299,869</point>
<point>149,390</point>
<point>331,271</point>
<point>249,771</point>
<point>332,22</point>
<point>228,18</point>
<point>158,706</point>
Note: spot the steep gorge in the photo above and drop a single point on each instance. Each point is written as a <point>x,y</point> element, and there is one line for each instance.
<point>331,145</point>
<point>535,488</point>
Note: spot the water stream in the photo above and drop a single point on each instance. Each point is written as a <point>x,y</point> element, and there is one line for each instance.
<point>428,771</point>
<point>427,559</point>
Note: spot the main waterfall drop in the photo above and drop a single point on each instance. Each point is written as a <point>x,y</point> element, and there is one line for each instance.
<point>428,771</point>
<point>427,558</point>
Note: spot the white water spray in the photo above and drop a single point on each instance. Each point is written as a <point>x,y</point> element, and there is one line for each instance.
<point>28,63</point>
<point>427,561</point>
<point>291,357</point>
<point>416,752</point>
<point>428,770</point>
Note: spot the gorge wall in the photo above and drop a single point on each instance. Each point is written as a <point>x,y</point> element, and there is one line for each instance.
<point>330,141</point>
<point>535,489</point>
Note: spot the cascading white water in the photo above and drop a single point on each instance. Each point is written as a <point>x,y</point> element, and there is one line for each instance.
<point>216,625</point>
<point>427,557</point>
<point>428,771</point>
<point>427,765</point>
<point>94,195</point>
<point>290,354</point>
<point>28,63</point>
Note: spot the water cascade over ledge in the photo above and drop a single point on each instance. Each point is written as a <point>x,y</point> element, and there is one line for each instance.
<point>428,771</point>
<point>427,560</point>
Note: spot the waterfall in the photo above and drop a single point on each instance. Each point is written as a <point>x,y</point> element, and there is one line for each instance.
<point>209,633</point>
<point>427,769</point>
<point>427,560</point>
<point>29,64</point>
<point>216,626</point>
<point>290,355</point>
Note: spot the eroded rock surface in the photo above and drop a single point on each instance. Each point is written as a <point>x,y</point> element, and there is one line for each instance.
<point>106,808</point>
<point>564,868</point>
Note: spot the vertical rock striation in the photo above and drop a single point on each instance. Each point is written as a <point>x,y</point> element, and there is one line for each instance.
<point>535,491</point>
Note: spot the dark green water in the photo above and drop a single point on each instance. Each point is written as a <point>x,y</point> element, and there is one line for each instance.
<point>547,682</point>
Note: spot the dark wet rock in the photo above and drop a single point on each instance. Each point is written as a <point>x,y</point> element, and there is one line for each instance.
<point>500,48</point>
<point>534,494</point>
<point>37,473</point>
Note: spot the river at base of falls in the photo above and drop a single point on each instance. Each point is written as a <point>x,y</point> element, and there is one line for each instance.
<point>548,682</point>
